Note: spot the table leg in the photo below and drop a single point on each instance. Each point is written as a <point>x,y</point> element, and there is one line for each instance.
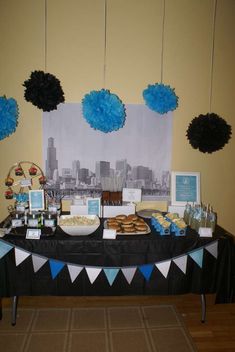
<point>203,306</point>
<point>0,308</point>
<point>14,310</point>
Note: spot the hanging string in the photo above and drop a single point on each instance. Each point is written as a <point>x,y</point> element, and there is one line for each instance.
<point>163,31</point>
<point>45,34</point>
<point>212,54</point>
<point>105,42</point>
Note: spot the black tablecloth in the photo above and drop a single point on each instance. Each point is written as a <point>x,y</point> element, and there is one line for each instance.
<point>215,276</point>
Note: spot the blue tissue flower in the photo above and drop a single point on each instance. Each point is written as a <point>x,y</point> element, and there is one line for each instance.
<point>103,110</point>
<point>8,116</point>
<point>160,98</point>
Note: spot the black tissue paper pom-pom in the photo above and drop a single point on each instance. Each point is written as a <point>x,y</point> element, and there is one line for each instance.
<point>208,133</point>
<point>43,90</point>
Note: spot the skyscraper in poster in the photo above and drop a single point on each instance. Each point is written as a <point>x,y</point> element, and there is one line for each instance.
<point>51,161</point>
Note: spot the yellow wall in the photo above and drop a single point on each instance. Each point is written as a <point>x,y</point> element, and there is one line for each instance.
<point>75,54</point>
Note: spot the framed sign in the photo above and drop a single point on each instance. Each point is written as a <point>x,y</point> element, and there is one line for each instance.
<point>185,187</point>
<point>36,200</point>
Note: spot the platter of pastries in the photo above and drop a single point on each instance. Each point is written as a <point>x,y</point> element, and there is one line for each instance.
<point>127,225</point>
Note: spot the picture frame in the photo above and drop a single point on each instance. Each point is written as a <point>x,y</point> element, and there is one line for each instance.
<point>185,188</point>
<point>36,200</point>
<point>93,206</point>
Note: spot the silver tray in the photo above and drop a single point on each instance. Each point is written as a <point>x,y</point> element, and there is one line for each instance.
<point>147,232</point>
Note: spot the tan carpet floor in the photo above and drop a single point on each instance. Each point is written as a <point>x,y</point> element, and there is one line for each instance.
<point>156,328</point>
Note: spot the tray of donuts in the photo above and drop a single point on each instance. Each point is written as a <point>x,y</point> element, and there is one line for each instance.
<point>127,225</point>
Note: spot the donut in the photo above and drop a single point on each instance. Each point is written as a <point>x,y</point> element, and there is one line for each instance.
<point>120,217</point>
<point>127,222</point>
<point>114,227</point>
<point>141,228</point>
<point>139,223</point>
<point>132,217</point>
<point>129,229</point>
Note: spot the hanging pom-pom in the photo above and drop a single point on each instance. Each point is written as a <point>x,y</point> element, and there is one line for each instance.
<point>8,116</point>
<point>43,90</point>
<point>103,110</point>
<point>208,133</point>
<point>160,98</point>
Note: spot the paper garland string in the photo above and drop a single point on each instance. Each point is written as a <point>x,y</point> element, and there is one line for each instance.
<point>110,272</point>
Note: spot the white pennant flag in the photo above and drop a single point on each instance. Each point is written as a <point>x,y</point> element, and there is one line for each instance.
<point>74,271</point>
<point>93,273</point>
<point>20,255</point>
<point>164,267</point>
<point>213,249</point>
<point>181,262</point>
<point>129,273</point>
<point>38,262</point>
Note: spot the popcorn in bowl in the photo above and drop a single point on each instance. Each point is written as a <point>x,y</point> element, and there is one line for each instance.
<point>79,225</point>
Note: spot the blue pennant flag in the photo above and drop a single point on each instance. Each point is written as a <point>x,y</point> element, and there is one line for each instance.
<point>197,256</point>
<point>4,248</point>
<point>56,267</point>
<point>111,274</point>
<point>146,270</point>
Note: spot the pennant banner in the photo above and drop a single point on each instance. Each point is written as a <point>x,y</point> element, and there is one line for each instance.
<point>181,262</point>
<point>213,249</point>
<point>164,267</point>
<point>4,248</point>
<point>146,270</point>
<point>110,272</point>
<point>20,255</point>
<point>74,271</point>
<point>129,274</point>
<point>38,262</point>
<point>93,273</point>
<point>56,267</point>
<point>197,256</point>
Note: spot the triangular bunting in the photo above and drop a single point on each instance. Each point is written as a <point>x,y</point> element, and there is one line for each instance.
<point>213,249</point>
<point>56,267</point>
<point>129,273</point>
<point>4,248</point>
<point>111,274</point>
<point>20,255</point>
<point>38,262</point>
<point>146,270</point>
<point>92,273</point>
<point>74,271</point>
<point>197,256</point>
<point>164,267</point>
<point>181,262</point>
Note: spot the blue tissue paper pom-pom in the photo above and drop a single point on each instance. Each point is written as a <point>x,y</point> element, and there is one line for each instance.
<point>160,98</point>
<point>103,111</point>
<point>8,116</point>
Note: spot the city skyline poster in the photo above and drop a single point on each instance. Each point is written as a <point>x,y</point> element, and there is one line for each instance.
<point>76,156</point>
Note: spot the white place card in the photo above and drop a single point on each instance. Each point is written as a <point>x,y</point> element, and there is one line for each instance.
<point>205,232</point>
<point>33,234</point>
<point>109,234</point>
<point>131,195</point>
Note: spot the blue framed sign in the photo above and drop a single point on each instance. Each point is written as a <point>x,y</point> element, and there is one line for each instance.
<point>185,187</point>
<point>36,200</point>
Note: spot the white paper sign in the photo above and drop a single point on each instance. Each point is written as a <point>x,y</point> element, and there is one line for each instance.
<point>205,232</point>
<point>33,234</point>
<point>131,195</point>
<point>109,234</point>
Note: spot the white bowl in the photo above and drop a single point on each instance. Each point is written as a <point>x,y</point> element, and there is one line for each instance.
<point>79,229</point>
